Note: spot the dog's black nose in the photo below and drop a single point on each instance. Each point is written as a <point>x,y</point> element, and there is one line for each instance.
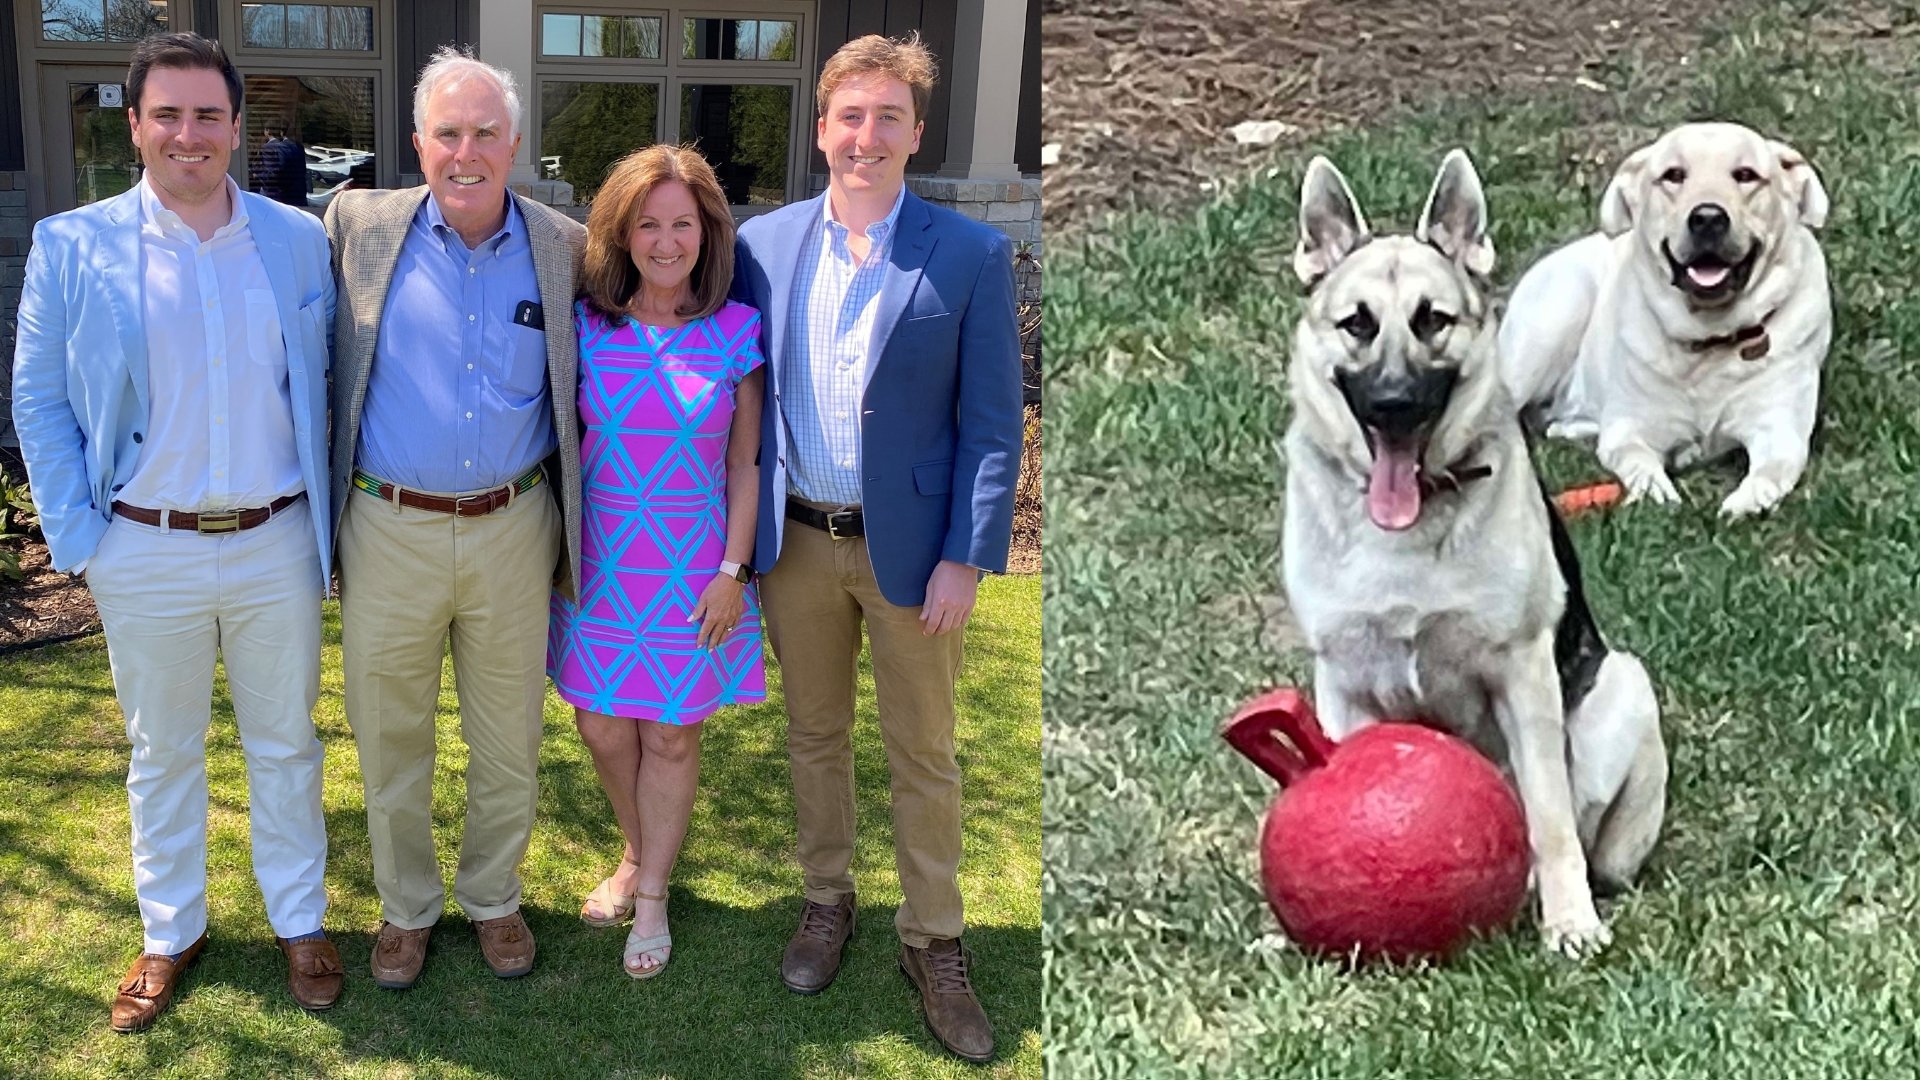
<point>1398,403</point>
<point>1708,221</point>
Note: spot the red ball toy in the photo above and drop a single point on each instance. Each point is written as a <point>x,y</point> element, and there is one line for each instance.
<point>1399,843</point>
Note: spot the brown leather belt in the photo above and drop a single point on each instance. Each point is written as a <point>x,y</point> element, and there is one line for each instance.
<point>216,521</point>
<point>466,506</point>
<point>845,524</point>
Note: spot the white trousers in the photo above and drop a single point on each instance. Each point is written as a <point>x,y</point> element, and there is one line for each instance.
<point>169,602</point>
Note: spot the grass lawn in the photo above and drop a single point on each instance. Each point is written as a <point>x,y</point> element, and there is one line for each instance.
<point>1775,933</point>
<point>719,1010</point>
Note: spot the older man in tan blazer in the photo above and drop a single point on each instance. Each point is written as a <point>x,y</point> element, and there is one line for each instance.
<point>456,480</point>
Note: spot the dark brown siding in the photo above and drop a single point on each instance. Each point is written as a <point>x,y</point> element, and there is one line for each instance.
<point>843,20</point>
<point>421,26</point>
<point>13,151</point>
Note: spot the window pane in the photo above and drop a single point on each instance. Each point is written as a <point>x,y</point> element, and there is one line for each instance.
<point>739,39</point>
<point>131,20</point>
<point>599,35</point>
<point>71,20</point>
<point>104,162</point>
<point>264,26</point>
<point>560,35</point>
<point>742,131</point>
<point>647,31</point>
<point>306,26</point>
<point>586,127</point>
<point>352,28</point>
<point>324,137</point>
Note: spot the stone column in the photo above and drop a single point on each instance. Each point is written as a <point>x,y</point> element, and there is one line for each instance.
<point>985,85</point>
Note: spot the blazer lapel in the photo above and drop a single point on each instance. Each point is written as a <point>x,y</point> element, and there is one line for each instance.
<point>780,280</point>
<point>278,260</point>
<point>906,265</point>
<point>381,238</point>
<point>117,261</point>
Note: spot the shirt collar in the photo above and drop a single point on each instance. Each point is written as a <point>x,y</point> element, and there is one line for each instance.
<point>154,213</point>
<point>437,223</point>
<point>879,230</point>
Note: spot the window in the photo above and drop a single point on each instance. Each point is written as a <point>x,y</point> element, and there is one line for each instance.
<point>101,20</point>
<point>744,132</point>
<point>314,27</point>
<point>731,83</point>
<point>586,127</point>
<point>634,37</point>
<point>739,39</point>
<point>309,137</point>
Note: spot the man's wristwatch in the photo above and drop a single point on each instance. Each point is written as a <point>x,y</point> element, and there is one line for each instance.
<point>740,572</point>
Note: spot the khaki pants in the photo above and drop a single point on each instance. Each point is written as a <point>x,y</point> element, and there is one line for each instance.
<point>816,597</point>
<point>410,580</point>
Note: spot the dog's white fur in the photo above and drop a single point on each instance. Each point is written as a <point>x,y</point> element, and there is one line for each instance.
<point>1601,344</point>
<point>1453,620</point>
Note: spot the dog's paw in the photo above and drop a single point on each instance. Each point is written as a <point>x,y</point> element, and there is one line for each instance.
<point>1756,494</point>
<point>1577,938</point>
<point>1647,480</point>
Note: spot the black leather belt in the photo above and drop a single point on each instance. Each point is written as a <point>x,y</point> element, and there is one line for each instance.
<point>839,524</point>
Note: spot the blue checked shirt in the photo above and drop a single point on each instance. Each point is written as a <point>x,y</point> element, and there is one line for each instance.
<point>835,301</point>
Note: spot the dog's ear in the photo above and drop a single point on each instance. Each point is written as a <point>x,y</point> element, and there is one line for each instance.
<point>1801,184</point>
<point>1620,204</point>
<point>1331,226</point>
<point>1455,217</point>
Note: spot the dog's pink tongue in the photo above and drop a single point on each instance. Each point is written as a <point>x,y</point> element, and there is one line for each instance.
<point>1393,490</point>
<point>1708,276</point>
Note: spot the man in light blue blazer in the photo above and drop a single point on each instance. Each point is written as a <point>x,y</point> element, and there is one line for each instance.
<point>890,448</point>
<point>170,398</point>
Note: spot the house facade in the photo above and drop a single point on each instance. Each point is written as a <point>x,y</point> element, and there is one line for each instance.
<point>329,97</point>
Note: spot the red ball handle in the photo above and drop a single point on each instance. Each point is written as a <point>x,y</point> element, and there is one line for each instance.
<point>1278,732</point>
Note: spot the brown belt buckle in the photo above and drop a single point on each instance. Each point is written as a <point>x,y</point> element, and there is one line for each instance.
<point>224,522</point>
<point>835,533</point>
<point>460,503</point>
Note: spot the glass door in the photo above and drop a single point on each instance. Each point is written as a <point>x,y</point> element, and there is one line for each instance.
<point>88,143</point>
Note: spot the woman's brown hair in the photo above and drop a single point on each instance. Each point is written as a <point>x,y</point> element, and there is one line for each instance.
<point>609,278</point>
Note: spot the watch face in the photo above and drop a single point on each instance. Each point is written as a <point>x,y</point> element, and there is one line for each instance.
<point>745,574</point>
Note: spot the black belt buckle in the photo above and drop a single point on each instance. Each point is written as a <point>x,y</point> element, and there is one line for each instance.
<point>853,523</point>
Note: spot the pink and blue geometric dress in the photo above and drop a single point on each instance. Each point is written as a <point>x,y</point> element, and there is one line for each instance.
<point>656,406</point>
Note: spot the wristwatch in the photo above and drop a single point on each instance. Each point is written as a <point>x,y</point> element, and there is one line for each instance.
<point>740,572</point>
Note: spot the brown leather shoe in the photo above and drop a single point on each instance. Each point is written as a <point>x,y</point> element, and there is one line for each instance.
<point>314,974</point>
<point>507,944</point>
<point>148,988</point>
<point>954,1015</point>
<point>813,955</point>
<point>399,955</point>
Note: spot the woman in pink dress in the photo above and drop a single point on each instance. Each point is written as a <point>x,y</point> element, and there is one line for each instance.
<point>666,627</point>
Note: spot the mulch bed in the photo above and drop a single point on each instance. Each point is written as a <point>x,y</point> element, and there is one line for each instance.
<point>1140,94</point>
<point>45,605</point>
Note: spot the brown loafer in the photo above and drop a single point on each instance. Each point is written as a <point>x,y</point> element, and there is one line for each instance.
<point>507,944</point>
<point>148,988</point>
<point>314,974</point>
<point>954,1015</point>
<point>813,955</point>
<point>399,955</point>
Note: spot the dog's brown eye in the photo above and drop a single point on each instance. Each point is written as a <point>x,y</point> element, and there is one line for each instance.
<point>1675,175</point>
<point>1427,321</point>
<point>1360,325</point>
<point>1744,175</point>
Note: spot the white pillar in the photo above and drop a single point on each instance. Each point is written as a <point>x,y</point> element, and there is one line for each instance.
<point>985,106</point>
<point>506,31</point>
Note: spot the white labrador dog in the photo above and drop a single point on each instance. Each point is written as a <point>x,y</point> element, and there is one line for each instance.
<point>1694,323</point>
<point>1423,560</point>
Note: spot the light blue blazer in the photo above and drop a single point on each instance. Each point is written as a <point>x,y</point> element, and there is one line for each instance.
<point>80,362</point>
<point>940,420</point>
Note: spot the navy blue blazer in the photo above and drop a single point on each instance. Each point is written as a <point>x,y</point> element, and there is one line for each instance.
<point>940,421</point>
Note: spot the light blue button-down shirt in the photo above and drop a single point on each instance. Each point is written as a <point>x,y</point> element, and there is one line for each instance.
<point>835,301</point>
<point>458,399</point>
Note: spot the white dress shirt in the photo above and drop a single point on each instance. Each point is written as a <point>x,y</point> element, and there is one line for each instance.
<point>835,301</point>
<point>219,433</point>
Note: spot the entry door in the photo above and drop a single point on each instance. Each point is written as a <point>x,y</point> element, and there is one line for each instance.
<point>89,146</point>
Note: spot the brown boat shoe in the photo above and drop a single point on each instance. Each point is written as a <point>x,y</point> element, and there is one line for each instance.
<point>314,974</point>
<point>149,986</point>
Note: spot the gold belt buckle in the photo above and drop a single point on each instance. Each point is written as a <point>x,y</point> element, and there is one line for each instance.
<point>833,532</point>
<point>224,522</point>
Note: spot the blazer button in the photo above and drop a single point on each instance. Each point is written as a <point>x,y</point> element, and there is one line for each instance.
<point>137,437</point>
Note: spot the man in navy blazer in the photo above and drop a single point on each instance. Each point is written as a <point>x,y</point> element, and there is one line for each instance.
<point>170,396</point>
<point>889,453</point>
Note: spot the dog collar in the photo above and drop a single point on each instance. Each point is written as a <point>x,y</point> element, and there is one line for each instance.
<point>1752,340</point>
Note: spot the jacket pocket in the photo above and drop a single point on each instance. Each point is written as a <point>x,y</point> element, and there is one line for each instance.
<point>934,477</point>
